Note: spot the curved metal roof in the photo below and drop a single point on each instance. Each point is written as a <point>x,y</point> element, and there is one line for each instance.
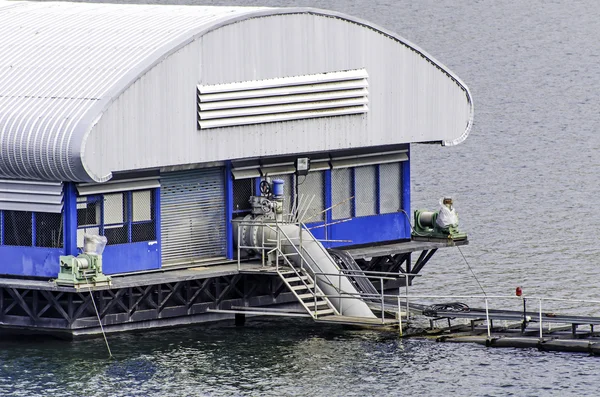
<point>62,64</point>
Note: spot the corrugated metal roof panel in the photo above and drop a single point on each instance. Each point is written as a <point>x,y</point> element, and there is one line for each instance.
<point>59,60</point>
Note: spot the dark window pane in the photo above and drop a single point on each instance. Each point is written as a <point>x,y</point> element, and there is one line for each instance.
<point>48,230</point>
<point>242,190</point>
<point>17,228</point>
<point>143,232</point>
<point>116,235</point>
<point>88,214</point>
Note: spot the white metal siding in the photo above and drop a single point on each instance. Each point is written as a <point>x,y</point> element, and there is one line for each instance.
<point>192,215</point>
<point>410,99</point>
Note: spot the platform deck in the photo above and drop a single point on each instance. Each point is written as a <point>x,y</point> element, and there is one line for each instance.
<point>402,248</point>
<point>159,276</point>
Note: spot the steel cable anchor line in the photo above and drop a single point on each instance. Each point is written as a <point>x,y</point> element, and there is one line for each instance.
<point>98,316</point>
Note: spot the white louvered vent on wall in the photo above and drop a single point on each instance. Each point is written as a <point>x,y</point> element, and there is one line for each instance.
<point>282,99</point>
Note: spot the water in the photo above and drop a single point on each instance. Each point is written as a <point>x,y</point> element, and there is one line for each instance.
<point>526,189</point>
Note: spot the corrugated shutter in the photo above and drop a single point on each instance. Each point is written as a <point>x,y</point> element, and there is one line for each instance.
<point>31,196</point>
<point>86,189</point>
<point>281,99</point>
<point>192,216</point>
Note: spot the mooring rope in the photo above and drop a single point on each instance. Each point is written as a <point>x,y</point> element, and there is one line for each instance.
<point>472,272</point>
<point>98,316</point>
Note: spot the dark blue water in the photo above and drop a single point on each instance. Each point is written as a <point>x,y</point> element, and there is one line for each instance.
<point>526,187</point>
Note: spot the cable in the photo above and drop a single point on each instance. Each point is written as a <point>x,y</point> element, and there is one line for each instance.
<point>473,273</point>
<point>98,315</point>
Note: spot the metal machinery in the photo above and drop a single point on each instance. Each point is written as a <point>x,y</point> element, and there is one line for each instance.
<point>265,208</point>
<point>441,224</point>
<point>86,268</point>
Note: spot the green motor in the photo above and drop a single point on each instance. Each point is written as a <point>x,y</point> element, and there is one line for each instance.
<point>442,224</point>
<point>84,269</point>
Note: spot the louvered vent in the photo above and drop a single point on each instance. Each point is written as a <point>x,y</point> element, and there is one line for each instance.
<point>282,99</point>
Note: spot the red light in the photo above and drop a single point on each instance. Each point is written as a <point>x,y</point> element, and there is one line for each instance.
<point>519,291</point>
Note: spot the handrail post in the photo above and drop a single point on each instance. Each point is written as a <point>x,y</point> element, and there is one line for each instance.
<point>406,287</point>
<point>315,295</point>
<point>399,314</point>
<point>300,250</point>
<point>340,291</point>
<point>262,250</point>
<point>239,265</point>
<point>382,305</point>
<point>487,318</point>
<point>541,328</point>
<point>278,246</point>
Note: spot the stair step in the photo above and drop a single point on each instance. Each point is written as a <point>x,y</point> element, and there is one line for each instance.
<point>303,286</point>
<point>320,302</point>
<point>295,279</point>
<point>322,312</point>
<point>306,296</point>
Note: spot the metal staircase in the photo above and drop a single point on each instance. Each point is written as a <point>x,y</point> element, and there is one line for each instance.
<point>308,293</point>
<point>300,279</point>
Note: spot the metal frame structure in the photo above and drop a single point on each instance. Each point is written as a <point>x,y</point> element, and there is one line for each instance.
<point>70,313</point>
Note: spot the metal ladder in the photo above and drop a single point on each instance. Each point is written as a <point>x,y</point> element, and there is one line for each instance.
<point>307,292</point>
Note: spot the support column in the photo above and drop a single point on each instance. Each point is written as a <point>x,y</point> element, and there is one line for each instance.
<point>70,217</point>
<point>240,319</point>
<point>229,209</point>
<point>328,204</point>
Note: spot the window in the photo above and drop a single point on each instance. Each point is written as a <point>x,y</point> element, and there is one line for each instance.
<point>311,197</point>
<point>242,190</point>
<point>377,189</point>
<point>31,229</point>
<point>390,187</point>
<point>365,186</point>
<point>123,218</point>
<point>341,193</point>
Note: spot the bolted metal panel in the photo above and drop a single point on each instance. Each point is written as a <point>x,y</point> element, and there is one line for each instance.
<point>341,191</point>
<point>31,196</point>
<point>283,99</point>
<point>390,187</point>
<point>192,215</point>
<point>366,190</point>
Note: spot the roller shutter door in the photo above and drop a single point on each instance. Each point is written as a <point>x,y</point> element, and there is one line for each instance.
<point>192,216</point>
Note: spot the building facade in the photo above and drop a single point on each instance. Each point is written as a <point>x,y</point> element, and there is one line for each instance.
<point>153,125</point>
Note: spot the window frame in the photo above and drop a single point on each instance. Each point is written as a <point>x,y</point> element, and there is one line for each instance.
<point>128,222</point>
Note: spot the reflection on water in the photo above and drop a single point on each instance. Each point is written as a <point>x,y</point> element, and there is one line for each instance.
<point>281,357</point>
<point>525,185</point>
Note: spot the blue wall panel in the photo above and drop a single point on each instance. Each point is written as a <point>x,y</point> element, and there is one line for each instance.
<point>123,258</point>
<point>30,261</point>
<point>371,229</point>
